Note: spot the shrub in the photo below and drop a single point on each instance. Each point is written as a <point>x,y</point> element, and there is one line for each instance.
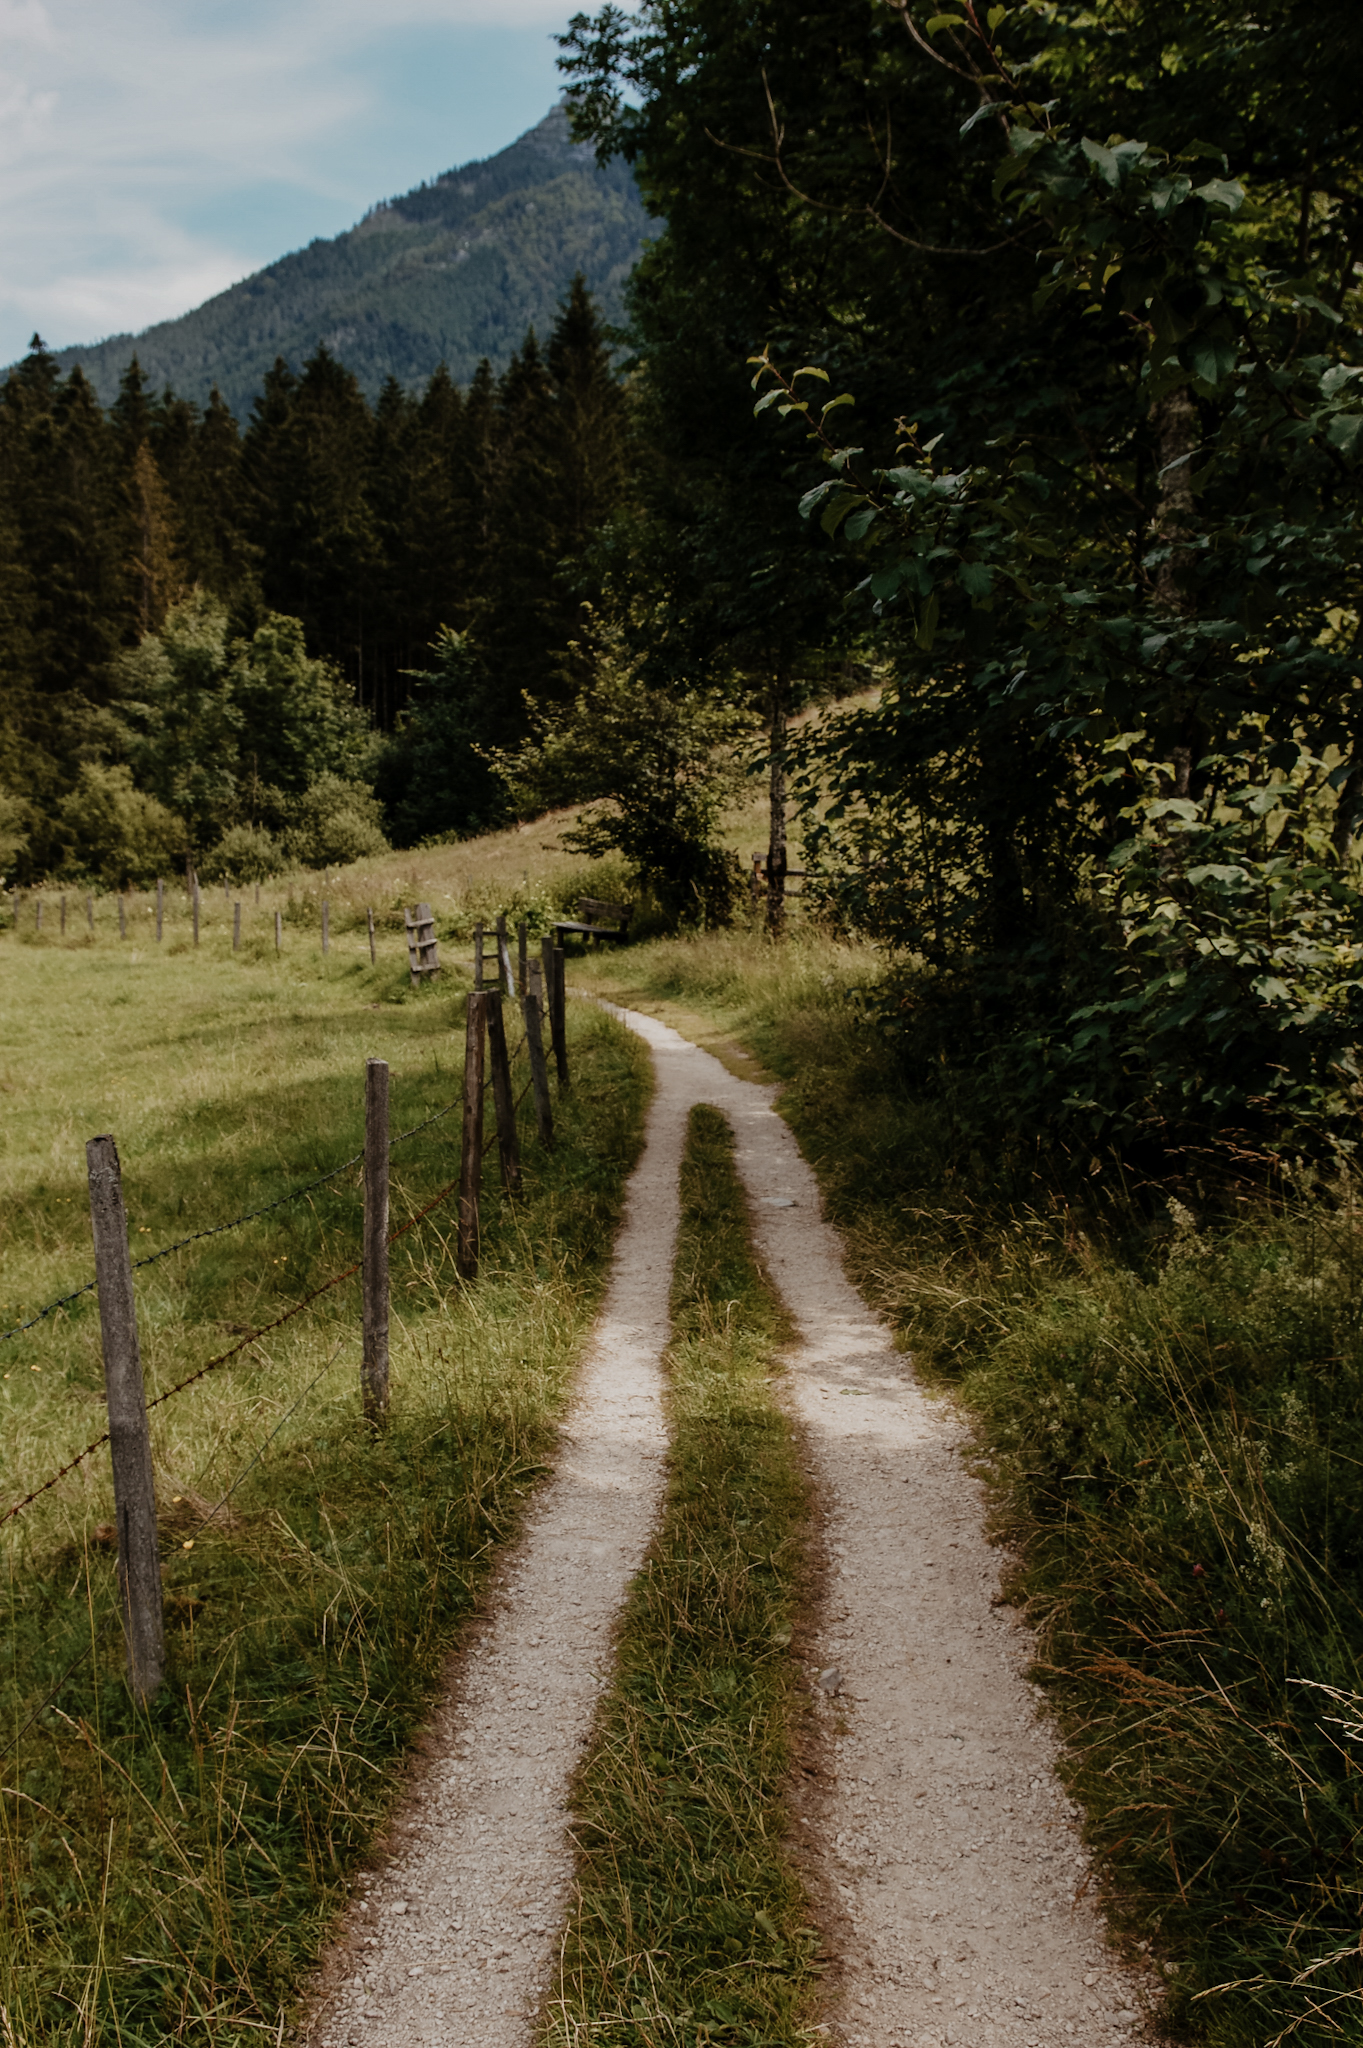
<point>333,823</point>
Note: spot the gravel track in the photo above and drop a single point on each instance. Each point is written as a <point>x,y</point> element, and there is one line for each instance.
<point>936,1838</point>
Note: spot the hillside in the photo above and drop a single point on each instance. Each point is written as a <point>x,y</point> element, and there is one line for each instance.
<point>452,271</point>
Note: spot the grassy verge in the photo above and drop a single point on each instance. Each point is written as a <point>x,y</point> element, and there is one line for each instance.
<point>1171,1411</point>
<point>168,1875</point>
<point>688,1929</point>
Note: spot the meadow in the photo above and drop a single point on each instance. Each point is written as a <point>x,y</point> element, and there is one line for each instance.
<point>170,1874</point>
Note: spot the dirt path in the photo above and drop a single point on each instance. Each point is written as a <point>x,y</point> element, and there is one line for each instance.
<point>941,1838</point>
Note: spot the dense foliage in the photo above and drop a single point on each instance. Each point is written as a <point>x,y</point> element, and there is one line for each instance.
<point>1091,428</point>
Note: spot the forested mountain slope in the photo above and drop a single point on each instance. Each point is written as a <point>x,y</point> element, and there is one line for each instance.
<point>452,272</point>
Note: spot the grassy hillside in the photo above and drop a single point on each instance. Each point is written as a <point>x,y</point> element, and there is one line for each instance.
<point>451,272</point>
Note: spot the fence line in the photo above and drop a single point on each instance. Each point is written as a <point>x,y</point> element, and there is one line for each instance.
<point>467,1267</point>
<point>218,1229</point>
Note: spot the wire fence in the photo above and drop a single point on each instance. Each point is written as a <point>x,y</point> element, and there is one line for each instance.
<point>220,1229</point>
<point>253,1337</point>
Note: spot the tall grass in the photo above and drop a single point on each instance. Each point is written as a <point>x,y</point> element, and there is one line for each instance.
<point>1170,1409</point>
<point>168,1875</point>
<point>688,1927</point>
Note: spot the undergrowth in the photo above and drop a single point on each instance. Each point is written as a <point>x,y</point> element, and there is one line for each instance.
<point>688,1929</point>
<point>169,1875</point>
<point>1170,1409</point>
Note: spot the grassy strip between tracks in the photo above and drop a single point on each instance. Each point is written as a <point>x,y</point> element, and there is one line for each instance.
<point>689,1928</point>
<point>169,1875</point>
<point>1168,1393</point>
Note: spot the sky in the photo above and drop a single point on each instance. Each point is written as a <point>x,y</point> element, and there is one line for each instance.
<point>152,152</point>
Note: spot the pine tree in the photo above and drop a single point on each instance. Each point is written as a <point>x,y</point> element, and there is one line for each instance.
<point>308,455</point>
<point>591,458</point>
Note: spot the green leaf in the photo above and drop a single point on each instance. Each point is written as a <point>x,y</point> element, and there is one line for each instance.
<point>1222,192</point>
<point>927,624</point>
<point>843,398</point>
<point>977,581</point>
<point>772,398</point>
<point>811,370</point>
<point>1346,430</point>
<point>945,21</point>
<point>858,524</point>
<point>996,15</point>
<point>1102,160</point>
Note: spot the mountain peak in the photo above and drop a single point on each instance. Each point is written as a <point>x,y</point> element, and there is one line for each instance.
<point>454,270</point>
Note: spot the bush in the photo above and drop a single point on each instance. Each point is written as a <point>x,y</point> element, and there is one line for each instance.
<point>13,832</point>
<point>334,823</point>
<point>116,834</point>
<point>245,853</point>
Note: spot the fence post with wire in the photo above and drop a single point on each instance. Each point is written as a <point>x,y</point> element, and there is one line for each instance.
<point>374,1365</point>
<point>471,1150</point>
<point>139,1561</point>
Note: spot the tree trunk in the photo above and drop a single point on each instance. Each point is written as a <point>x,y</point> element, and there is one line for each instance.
<point>776,845</point>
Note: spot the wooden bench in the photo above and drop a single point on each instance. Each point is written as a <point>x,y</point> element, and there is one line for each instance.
<point>598,920</point>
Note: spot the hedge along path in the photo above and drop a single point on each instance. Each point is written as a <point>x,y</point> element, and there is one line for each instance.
<point>939,1843</point>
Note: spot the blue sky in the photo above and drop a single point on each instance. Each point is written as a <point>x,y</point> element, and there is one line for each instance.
<point>151,153</point>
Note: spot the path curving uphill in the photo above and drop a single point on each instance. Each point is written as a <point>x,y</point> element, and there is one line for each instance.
<point>938,1841</point>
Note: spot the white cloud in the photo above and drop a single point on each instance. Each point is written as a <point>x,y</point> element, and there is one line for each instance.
<point>153,151</point>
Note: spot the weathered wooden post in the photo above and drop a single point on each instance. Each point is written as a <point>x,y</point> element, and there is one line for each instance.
<point>90,912</point>
<point>522,945</point>
<point>326,926</point>
<point>236,927</point>
<point>374,1364</point>
<point>554,994</point>
<point>38,915</point>
<point>160,907</point>
<point>504,968</point>
<point>539,1073</point>
<point>278,932</point>
<point>122,915</point>
<point>471,1152</point>
<point>373,957</point>
<point>139,1563</point>
<point>503,1096</point>
<point>195,901</point>
<point>478,956</point>
<point>63,917</point>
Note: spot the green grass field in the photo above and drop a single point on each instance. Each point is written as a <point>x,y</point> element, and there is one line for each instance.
<point>169,1875</point>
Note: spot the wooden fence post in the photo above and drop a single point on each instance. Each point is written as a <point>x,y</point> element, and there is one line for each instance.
<point>478,956</point>
<point>236,927</point>
<point>122,915</point>
<point>90,912</point>
<point>160,907</point>
<point>196,910</point>
<point>504,968</point>
<point>539,1073</point>
<point>503,1096</point>
<point>522,948</point>
<point>374,1367</point>
<point>63,917</point>
<point>38,918</point>
<point>278,932</point>
<point>373,957</point>
<point>139,1563</point>
<point>326,926</point>
<point>554,993</point>
<point>471,1152</point>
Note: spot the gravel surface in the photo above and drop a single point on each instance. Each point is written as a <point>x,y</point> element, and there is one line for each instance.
<point>936,1839</point>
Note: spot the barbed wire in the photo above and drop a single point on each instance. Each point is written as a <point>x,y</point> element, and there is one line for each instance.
<point>225,1357</point>
<point>219,1229</point>
<point>254,1336</point>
